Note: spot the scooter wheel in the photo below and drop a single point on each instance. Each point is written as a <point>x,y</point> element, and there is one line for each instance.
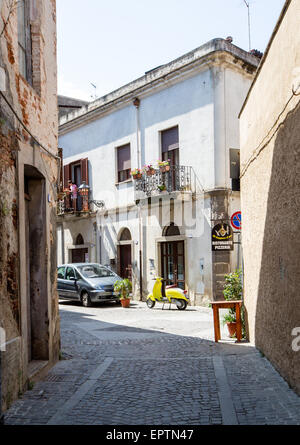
<point>181,305</point>
<point>150,303</point>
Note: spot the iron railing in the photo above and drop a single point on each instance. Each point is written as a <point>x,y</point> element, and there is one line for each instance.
<point>178,178</point>
<point>68,205</point>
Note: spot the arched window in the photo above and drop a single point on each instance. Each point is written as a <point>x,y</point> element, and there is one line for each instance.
<point>79,240</point>
<point>171,230</point>
<point>125,235</point>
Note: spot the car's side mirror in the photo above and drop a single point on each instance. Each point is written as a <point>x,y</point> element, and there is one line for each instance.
<point>72,279</point>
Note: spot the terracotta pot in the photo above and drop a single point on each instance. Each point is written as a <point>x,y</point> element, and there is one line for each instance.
<point>125,302</point>
<point>167,167</point>
<point>231,329</point>
<point>150,172</point>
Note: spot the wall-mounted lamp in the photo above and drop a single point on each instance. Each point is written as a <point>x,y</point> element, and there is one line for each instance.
<point>99,204</point>
<point>136,102</point>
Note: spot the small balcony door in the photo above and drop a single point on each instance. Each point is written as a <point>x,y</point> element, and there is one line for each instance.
<point>170,151</point>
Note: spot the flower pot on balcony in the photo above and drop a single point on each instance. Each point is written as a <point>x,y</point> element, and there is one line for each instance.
<point>61,196</point>
<point>150,172</point>
<point>162,188</point>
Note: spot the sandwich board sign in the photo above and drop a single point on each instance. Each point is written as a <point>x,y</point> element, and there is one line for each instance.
<point>222,237</point>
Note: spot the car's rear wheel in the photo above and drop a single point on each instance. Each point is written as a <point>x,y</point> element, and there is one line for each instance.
<point>85,299</point>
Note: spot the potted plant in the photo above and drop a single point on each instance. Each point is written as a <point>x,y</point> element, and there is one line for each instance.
<point>123,288</point>
<point>233,291</point>
<point>162,187</point>
<point>136,173</point>
<point>61,195</point>
<point>149,170</point>
<point>164,166</point>
<point>230,320</point>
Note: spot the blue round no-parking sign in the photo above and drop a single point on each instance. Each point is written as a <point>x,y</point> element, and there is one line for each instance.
<point>236,220</point>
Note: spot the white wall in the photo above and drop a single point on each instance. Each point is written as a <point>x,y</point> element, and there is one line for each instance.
<point>205,107</point>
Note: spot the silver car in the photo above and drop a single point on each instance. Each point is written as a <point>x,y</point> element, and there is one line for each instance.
<point>86,282</point>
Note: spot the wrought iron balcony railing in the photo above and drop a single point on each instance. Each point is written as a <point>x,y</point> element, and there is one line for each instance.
<point>82,204</point>
<point>178,178</point>
<point>67,205</point>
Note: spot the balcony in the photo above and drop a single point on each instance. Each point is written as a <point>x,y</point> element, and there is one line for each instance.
<point>80,206</point>
<point>66,205</point>
<point>178,178</point>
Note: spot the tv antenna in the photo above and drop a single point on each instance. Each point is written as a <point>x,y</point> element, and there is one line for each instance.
<point>94,96</point>
<point>247,3</point>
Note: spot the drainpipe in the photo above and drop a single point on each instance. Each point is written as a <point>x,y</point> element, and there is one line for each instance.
<point>1,415</point>
<point>136,103</point>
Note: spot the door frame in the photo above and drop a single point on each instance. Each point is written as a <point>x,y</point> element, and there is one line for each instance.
<point>158,257</point>
<point>175,256</point>
<point>81,246</point>
<point>119,245</point>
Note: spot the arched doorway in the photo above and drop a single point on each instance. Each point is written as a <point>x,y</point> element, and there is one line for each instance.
<point>80,254</point>
<point>125,254</point>
<point>172,257</point>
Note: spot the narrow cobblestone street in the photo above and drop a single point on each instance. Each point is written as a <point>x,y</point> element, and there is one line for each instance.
<point>153,367</point>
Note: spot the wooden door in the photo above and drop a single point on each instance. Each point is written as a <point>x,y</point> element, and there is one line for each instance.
<point>125,261</point>
<point>172,257</point>
<point>79,255</point>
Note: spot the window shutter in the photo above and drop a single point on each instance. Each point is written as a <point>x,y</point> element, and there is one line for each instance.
<point>67,175</point>
<point>169,139</point>
<point>124,162</point>
<point>85,170</point>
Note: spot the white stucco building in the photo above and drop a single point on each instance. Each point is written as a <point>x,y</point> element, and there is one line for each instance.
<point>186,111</point>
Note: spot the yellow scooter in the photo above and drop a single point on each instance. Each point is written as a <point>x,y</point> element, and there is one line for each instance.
<point>167,294</point>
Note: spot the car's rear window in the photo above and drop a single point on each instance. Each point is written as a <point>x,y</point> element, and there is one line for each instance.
<point>95,271</point>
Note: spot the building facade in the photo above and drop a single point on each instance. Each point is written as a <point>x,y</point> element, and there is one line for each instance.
<point>29,168</point>
<point>186,113</point>
<point>270,166</point>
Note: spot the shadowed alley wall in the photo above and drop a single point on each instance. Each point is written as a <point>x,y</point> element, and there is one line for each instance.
<point>270,185</point>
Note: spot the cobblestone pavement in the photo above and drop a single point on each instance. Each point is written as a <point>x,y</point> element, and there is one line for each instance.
<point>153,367</point>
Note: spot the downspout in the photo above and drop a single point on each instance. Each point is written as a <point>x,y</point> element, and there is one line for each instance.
<point>1,414</point>
<point>136,103</point>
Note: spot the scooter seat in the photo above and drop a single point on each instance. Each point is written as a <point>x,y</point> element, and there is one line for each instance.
<point>171,286</point>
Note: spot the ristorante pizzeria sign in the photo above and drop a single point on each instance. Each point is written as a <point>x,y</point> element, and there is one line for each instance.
<point>222,237</point>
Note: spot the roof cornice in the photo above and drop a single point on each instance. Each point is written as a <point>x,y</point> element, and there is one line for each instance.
<point>206,55</point>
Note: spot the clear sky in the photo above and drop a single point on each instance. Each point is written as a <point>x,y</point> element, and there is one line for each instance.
<point>112,42</point>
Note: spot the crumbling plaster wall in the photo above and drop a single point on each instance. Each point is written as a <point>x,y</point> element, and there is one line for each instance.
<point>37,108</point>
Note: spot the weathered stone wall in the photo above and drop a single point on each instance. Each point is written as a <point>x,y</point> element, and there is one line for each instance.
<point>270,184</point>
<point>36,106</point>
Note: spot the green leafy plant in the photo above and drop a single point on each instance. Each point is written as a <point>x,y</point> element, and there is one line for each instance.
<point>162,187</point>
<point>233,290</point>
<point>123,288</point>
<point>229,318</point>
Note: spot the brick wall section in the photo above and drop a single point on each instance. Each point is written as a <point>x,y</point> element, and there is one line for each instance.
<point>37,107</point>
